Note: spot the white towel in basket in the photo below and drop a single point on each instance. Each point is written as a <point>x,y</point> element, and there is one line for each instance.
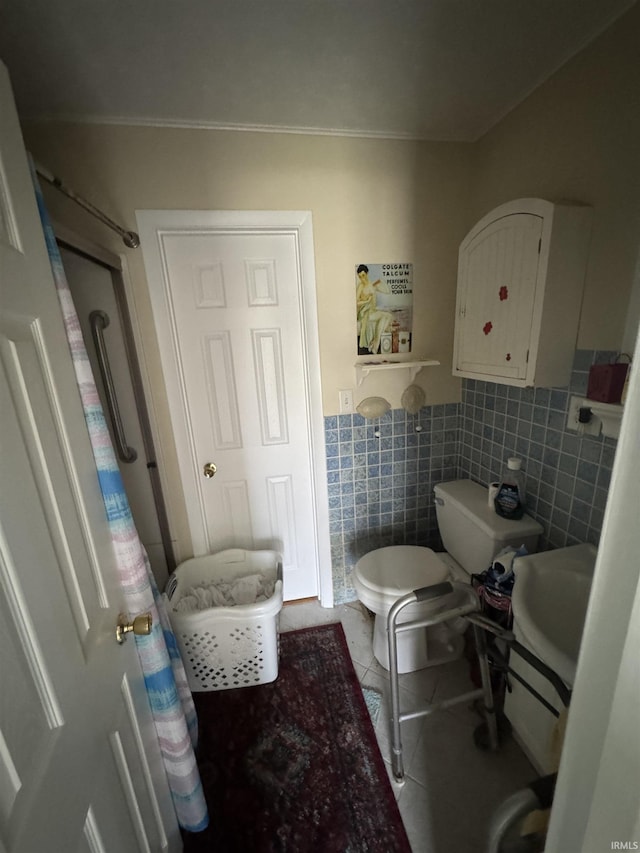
<point>226,593</point>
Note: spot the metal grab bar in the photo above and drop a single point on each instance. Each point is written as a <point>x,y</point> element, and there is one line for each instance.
<point>99,321</point>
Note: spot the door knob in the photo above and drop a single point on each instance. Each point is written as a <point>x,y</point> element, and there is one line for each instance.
<point>140,625</point>
<point>209,470</point>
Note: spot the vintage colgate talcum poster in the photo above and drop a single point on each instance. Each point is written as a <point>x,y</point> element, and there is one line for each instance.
<point>384,300</point>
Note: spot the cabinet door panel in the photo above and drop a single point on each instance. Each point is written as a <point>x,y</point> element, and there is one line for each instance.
<point>498,274</point>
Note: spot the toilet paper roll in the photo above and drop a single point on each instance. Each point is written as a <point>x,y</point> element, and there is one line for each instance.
<point>494,488</point>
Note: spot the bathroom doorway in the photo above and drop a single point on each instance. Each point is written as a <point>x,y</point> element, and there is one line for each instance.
<point>97,286</point>
<point>234,303</point>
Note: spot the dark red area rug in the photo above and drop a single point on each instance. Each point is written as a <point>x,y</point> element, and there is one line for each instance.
<point>294,765</point>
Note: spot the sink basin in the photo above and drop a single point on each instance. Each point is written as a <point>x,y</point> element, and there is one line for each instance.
<point>550,598</point>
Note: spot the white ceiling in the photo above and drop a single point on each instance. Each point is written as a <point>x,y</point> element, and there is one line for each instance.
<point>427,69</point>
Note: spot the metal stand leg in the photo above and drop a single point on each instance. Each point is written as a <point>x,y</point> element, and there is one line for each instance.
<point>397,764</point>
<point>487,692</point>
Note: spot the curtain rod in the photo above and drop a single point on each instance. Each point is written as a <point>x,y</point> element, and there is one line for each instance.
<point>130,238</point>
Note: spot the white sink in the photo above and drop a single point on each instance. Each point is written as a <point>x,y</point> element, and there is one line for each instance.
<point>550,598</point>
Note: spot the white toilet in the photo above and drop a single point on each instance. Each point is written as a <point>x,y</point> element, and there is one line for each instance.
<point>472,534</point>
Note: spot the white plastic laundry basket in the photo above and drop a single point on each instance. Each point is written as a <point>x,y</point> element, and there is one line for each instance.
<point>225,647</point>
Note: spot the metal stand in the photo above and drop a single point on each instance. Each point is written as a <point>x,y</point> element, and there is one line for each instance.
<point>469,610</point>
<point>539,795</point>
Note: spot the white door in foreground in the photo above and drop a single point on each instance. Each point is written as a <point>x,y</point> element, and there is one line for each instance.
<point>80,768</point>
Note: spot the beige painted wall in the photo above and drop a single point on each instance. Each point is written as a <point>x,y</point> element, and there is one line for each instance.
<point>371,200</point>
<point>578,137</point>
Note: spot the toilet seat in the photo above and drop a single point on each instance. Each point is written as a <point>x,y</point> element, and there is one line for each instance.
<point>384,575</point>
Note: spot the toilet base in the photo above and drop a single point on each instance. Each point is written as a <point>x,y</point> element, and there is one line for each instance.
<point>417,649</point>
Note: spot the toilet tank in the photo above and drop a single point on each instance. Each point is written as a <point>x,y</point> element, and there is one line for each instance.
<point>470,529</point>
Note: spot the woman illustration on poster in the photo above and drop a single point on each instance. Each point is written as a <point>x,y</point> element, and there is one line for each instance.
<point>372,323</point>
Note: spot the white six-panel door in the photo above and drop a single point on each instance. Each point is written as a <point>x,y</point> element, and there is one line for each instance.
<point>229,310</point>
<point>79,759</point>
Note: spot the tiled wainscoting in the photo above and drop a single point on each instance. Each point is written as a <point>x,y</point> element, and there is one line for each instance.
<point>381,487</point>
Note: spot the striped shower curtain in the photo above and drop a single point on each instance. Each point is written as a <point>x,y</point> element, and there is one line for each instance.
<point>166,682</point>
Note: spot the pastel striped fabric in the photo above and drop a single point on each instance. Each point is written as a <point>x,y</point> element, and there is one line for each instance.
<point>165,678</point>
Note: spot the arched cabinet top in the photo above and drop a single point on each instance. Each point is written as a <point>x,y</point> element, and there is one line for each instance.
<point>533,206</point>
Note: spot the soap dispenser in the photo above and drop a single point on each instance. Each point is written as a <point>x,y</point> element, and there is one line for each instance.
<point>510,500</point>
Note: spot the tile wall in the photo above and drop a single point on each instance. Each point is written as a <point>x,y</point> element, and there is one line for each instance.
<point>381,486</point>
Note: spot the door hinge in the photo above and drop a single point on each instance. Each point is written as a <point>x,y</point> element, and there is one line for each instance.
<point>539,245</point>
<point>526,361</point>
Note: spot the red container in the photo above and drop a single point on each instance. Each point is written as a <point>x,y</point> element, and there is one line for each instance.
<point>606,382</point>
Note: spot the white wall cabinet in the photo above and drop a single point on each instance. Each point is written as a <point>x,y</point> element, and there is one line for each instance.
<point>521,275</point>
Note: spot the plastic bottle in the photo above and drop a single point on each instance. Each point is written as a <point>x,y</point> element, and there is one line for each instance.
<point>510,500</point>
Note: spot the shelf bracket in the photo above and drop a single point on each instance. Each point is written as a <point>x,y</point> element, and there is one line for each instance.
<point>363,369</point>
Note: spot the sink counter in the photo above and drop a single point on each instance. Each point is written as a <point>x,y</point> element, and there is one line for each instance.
<point>550,599</point>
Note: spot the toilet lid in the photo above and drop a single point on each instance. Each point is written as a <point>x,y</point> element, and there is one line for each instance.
<point>399,569</point>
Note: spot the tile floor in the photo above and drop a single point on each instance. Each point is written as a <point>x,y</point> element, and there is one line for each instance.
<point>451,788</point>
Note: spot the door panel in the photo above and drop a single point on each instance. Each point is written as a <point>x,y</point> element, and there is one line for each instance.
<point>498,275</point>
<point>31,391</point>
<point>59,591</point>
<point>124,810</point>
<point>230,301</point>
